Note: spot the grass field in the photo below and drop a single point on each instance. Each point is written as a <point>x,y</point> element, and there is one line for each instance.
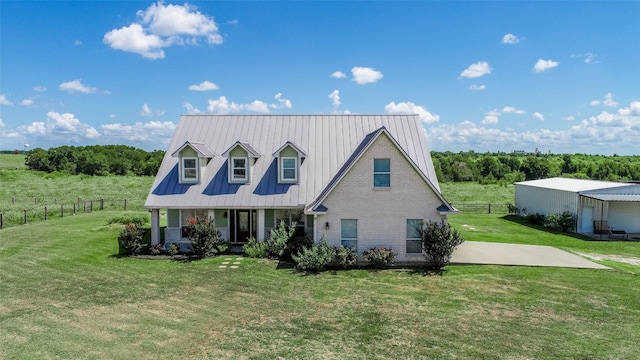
<point>65,295</point>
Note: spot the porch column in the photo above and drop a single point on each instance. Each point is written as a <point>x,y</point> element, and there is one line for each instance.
<point>315,228</point>
<point>155,227</point>
<point>260,231</point>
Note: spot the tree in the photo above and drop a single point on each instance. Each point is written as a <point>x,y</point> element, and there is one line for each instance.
<point>439,241</point>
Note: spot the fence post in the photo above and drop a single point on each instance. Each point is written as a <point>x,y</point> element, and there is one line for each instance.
<point>25,216</point>
<point>91,206</point>
<point>45,212</point>
<point>84,206</point>
<point>61,210</point>
<point>1,221</point>
<point>489,208</point>
<point>101,204</point>
<point>74,208</point>
<point>125,204</point>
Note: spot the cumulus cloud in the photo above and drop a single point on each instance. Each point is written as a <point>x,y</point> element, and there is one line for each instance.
<point>160,26</point>
<point>475,87</point>
<point>633,110</point>
<point>410,108</point>
<point>608,101</point>
<point>146,110</point>
<point>4,100</point>
<point>222,106</point>
<point>569,118</point>
<point>281,103</point>
<point>538,116</point>
<point>75,86</point>
<point>62,125</point>
<point>476,70</point>
<point>204,86</point>
<point>512,109</point>
<point>510,39</point>
<point>190,108</point>
<point>338,75</point>
<point>26,102</point>
<point>257,106</point>
<point>152,133</point>
<point>544,65</point>
<point>335,100</point>
<point>39,88</point>
<point>365,75</point>
<point>491,117</point>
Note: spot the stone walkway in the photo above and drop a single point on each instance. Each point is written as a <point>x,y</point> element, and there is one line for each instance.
<point>231,263</point>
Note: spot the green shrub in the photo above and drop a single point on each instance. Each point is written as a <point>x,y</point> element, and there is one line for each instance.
<point>206,240</point>
<point>380,257</point>
<point>173,249</point>
<point>255,249</point>
<point>130,239</point>
<point>346,256</point>
<point>439,241</point>
<point>157,249</point>
<point>564,222</point>
<point>314,258</point>
<point>535,219</point>
<point>279,238</point>
<point>295,244</point>
<point>137,218</point>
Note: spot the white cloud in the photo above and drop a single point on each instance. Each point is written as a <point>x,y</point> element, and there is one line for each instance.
<point>204,86</point>
<point>594,102</point>
<point>2,124</point>
<point>258,106</point>
<point>410,108</point>
<point>608,101</point>
<point>512,109</point>
<point>589,58</point>
<point>62,125</point>
<point>544,65</point>
<point>335,99</point>
<point>190,109</point>
<point>477,87</point>
<point>282,103</point>
<point>77,43</point>
<point>510,39</point>
<point>538,116</point>
<point>160,26</point>
<point>569,118</point>
<point>26,102</point>
<point>476,70</point>
<point>632,110</point>
<point>365,75</point>
<point>4,100</point>
<point>112,116</point>
<point>39,88</point>
<point>338,75</point>
<point>153,133</point>
<point>222,106</point>
<point>146,110</point>
<point>491,118</point>
<point>77,86</point>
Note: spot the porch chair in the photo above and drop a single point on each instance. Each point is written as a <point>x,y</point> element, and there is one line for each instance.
<point>600,227</point>
<point>617,234</point>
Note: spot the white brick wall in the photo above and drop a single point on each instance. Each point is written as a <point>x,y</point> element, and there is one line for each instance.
<point>381,214</point>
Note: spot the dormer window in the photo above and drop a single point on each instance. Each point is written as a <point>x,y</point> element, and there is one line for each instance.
<point>289,158</point>
<point>241,156</point>
<point>193,159</point>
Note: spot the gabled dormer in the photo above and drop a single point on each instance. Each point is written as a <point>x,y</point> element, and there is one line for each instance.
<point>193,159</point>
<point>289,157</point>
<point>241,158</point>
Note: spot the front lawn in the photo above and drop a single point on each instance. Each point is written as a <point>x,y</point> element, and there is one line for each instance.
<point>63,294</point>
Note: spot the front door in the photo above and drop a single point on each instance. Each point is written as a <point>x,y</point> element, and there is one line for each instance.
<point>245,225</point>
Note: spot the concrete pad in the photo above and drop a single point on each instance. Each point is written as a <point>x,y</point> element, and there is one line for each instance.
<point>485,253</point>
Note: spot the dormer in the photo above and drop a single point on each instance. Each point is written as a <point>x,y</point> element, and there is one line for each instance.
<point>193,159</point>
<point>241,158</point>
<point>289,157</point>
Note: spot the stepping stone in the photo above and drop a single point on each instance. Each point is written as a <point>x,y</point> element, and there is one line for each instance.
<point>222,266</point>
<point>233,266</point>
<point>237,263</point>
<point>225,263</point>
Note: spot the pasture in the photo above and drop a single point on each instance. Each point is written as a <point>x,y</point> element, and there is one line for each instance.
<point>64,293</point>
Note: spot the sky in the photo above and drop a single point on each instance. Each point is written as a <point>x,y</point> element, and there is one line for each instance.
<point>496,76</point>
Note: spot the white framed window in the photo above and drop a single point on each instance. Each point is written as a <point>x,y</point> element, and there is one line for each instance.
<point>189,170</point>
<point>414,239</point>
<point>381,173</point>
<point>289,169</point>
<point>239,169</point>
<point>349,233</point>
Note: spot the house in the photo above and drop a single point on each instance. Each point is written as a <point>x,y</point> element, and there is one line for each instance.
<point>360,180</point>
<point>615,204</point>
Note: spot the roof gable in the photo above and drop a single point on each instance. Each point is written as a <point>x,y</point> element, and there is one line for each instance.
<point>202,149</point>
<point>251,151</point>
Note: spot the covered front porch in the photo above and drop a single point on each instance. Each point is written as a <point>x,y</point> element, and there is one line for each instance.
<point>609,216</point>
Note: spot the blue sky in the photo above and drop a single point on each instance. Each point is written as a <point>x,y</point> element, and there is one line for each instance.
<point>484,76</point>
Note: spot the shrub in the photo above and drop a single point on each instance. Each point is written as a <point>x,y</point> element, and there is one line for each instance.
<point>130,239</point>
<point>346,256</point>
<point>173,249</point>
<point>536,219</point>
<point>380,257</point>
<point>278,239</point>
<point>316,257</point>
<point>206,240</point>
<point>136,218</point>
<point>255,249</point>
<point>157,249</point>
<point>439,241</point>
<point>564,222</point>
<point>296,244</point>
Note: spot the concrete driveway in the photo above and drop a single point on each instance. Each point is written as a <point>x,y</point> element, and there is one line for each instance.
<point>476,252</point>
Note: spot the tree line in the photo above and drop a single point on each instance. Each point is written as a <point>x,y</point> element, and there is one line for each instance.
<point>513,167</point>
<point>95,160</point>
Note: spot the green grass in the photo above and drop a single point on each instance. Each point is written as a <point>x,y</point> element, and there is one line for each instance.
<point>12,161</point>
<point>63,294</point>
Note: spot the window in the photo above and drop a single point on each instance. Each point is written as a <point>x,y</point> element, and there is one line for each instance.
<point>290,216</point>
<point>414,239</point>
<point>381,173</point>
<point>289,169</point>
<point>189,171</point>
<point>238,169</point>
<point>349,233</point>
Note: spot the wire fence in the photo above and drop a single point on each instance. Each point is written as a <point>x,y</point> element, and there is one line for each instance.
<point>483,208</point>
<point>22,211</point>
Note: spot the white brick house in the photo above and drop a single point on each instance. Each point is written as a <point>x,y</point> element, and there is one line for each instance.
<point>362,181</point>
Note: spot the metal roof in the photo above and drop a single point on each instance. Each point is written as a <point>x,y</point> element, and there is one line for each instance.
<point>328,141</point>
<point>572,185</point>
<point>614,197</point>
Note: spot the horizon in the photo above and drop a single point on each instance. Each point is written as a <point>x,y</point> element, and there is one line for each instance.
<point>482,76</point>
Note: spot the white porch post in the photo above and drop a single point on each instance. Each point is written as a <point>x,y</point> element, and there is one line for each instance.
<point>260,231</point>
<point>155,227</point>
<point>315,228</point>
